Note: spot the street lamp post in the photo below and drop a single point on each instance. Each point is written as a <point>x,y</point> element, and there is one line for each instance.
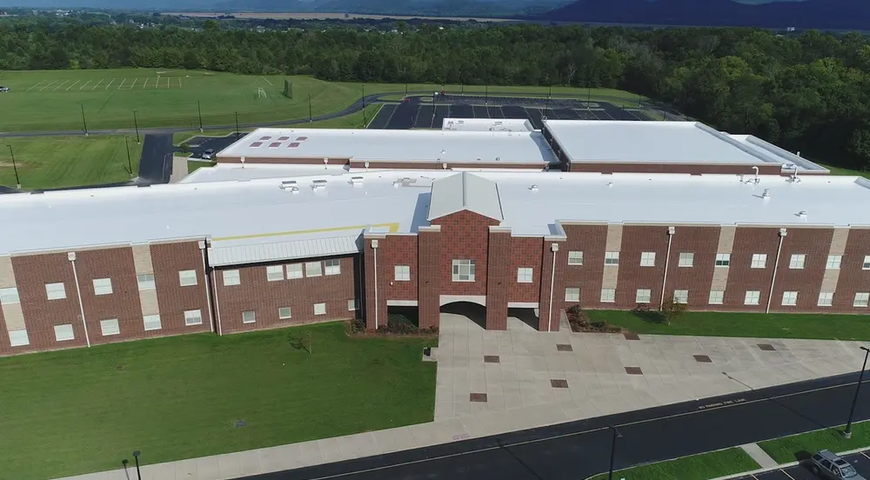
<point>136,124</point>
<point>129,160</point>
<point>309,108</point>
<point>237,125</point>
<point>84,122</point>
<point>199,110</point>
<point>136,456</point>
<point>616,435</point>
<point>14,167</point>
<point>848,431</point>
<point>364,105</point>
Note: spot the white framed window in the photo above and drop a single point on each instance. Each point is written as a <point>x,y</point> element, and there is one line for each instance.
<point>797,261</point>
<point>249,316</point>
<point>575,258</point>
<point>717,297</point>
<point>192,317</point>
<point>152,322</point>
<point>352,305</point>
<point>723,259</point>
<point>687,259</point>
<point>187,278</point>
<point>789,299</point>
<point>333,267</point>
<point>464,270</point>
<point>55,291</point>
<point>402,273</point>
<point>18,338</point>
<point>611,258</point>
<point>313,269</point>
<point>648,259</point>
<point>866,264</point>
<point>759,260</point>
<point>644,295</point>
<point>294,270</point>
<point>861,299</point>
<point>146,281</point>
<point>102,286</point>
<point>232,277</point>
<point>572,294</point>
<point>826,299</point>
<point>63,333</point>
<point>524,274</point>
<point>833,262</point>
<point>320,309</point>
<point>284,313</point>
<point>752,297</point>
<point>110,327</point>
<point>608,295</point>
<point>681,296</point>
<point>8,296</point>
<point>274,273</point>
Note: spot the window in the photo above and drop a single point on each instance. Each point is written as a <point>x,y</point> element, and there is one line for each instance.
<point>752,297</point>
<point>232,277</point>
<point>352,306</point>
<point>687,259</point>
<point>102,286</point>
<point>402,273</point>
<point>572,294</point>
<point>861,299</point>
<point>110,327</point>
<point>866,264</point>
<point>152,322</point>
<point>63,333</point>
<point>333,267</point>
<point>187,277</point>
<point>463,270</point>
<point>275,273</point>
<point>643,295</point>
<point>611,258</point>
<point>313,269</point>
<point>294,270</point>
<point>249,316</point>
<point>681,296</point>
<point>723,259</point>
<point>320,309</point>
<point>833,262</point>
<point>789,299</point>
<point>797,261</point>
<point>146,281</point>
<point>192,317</point>
<point>608,295</point>
<point>55,291</point>
<point>575,258</point>
<point>717,297</point>
<point>524,275</point>
<point>18,338</point>
<point>284,313</point>
<point>759,260</point>
<point>8,296</point>
<point>826,299</point>
<point>648,259</point>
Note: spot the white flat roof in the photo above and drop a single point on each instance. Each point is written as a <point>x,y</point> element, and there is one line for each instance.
<point>593,141</point>
<point>259,212</point>
<point>394,145</point>
<point>487,124</point>
<point>789,160</point>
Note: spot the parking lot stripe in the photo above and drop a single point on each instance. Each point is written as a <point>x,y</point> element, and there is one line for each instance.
<point>73,85</point>
<point>865,454</point>
<point>786,474</point>
<point>85,85</point>
<point>110,84</point>
<point>34,86</point>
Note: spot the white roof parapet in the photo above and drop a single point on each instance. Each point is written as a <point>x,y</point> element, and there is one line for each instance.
<point>465,191</point>
<point>277,251</point>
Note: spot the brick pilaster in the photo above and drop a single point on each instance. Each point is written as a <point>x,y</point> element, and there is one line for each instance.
<point>429,277</point>
<point>375,310</point>
<point>498,277</point>
<point>548,278</point>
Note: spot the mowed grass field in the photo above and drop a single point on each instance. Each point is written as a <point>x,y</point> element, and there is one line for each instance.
<point>85,410</point>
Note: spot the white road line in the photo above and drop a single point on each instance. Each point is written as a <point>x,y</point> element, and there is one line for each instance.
<point>72,85</point>
<point>97,85</point>
<point>85,85</point>
<point>62,84</point>
<point>110,84</point>
<point>146,83</point>
<point>38,84</point>
<point>134,83</point>
<point>786,474</point>
<point>48,85</point>
<point>267,80</point>
<point>122,83</point>
<point>865,454</point>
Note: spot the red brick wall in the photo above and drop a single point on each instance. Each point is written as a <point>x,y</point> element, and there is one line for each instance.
<point>591,240</point>
<point>525,252</point>
<point>815,243</point>
<point>635,240</point>
<point>693,169</point>
<point>467,236</point>
<point>122,304</point>
<point>398,250</point>
<point>499,280</point>
<point>168,259</point>
<point>704,243</point>
<point>852,277</point>
<point>741,277</point>
<point>257,294</point>
<point>429,281</point>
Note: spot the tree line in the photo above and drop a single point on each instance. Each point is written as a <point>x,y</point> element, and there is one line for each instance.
<point>807,92</point>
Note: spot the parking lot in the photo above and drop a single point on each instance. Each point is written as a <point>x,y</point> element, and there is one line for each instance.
<point>861,462</point>
<point>198,145</point>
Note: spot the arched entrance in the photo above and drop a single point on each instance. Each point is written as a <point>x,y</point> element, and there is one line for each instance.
<point>455,314</point>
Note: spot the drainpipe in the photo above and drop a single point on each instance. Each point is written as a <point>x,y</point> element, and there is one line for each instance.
<point>72,260</point>
<point>671,231</point>
<point>554,248</point>
<point>377,305</point>
<point>202,247</point>
<point>782,233</point>
<point>217,303</point>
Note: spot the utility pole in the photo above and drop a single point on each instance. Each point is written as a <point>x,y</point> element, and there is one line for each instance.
<point>199,110</point>
<point>129,160</point>
<point>309,108</point>
<point>486,94</point>
<point>588,97</point>
<point>14,167</point>
<point>136,124</point>
<point>616,435</point>
<point>84,122</point>
<point>237,126</point>
<point>847,433</point>
<point>364,105</point>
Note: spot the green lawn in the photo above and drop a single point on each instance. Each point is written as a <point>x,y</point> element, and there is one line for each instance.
<point>51,162</point>
<point>756,325</point>
<point>790,449</point>
<point>698,467</point>
<point>193,166</point>
<point>846,171</point>
<point>85,410</point>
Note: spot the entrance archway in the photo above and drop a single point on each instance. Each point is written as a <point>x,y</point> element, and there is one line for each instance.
<point>459,312</point>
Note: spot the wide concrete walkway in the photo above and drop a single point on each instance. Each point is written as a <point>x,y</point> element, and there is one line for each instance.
<point>495,382</point>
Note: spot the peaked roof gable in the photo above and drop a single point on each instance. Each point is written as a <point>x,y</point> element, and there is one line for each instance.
<point>465,191</point>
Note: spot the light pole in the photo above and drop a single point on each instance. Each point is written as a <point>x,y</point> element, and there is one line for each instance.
<point>136,456</point>
<point>588,97</point>
<point>848,431</point>
<point>364,105</point>
<point>616,435</point>
<point>84,122</point>
<point>199,110</point>
<point>129,160</point>
<point>309,108</point>
<point>237,126</point>
<point>136,124</point>
<point>14,167</point>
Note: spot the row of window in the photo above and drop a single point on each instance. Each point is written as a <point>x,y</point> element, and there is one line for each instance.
<point>463,271</point>
<point>277,273</point>
<point>717,297</point>
<point>687,259</point>
<point>285,313</point>
<point>102,286</point>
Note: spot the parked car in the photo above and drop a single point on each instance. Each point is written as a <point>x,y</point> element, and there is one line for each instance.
<point>4,89</point>
<point>208,154</point>
<point>829,465</point>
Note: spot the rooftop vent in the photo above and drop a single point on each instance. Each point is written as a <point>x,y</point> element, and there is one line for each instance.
<point>274,144</point>
<point>293,145</point>
<point>288,184</point>
<point>301,139</point>
<point>497,159</point>
<point>766,193</point>
<point>356,180</point>
<point>265,138</point>
<point>283,138</point>
<point>802,214</point>
<point>318,184</point>
<point>256,144</point>
<point>533,188</point>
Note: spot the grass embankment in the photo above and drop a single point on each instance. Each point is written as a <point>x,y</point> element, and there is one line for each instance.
<point>85,410</point>
<point>796,447</point>
<point>697,467</point>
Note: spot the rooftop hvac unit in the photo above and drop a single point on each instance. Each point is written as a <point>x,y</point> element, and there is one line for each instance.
<point>765,193</point>
<point>287,184</point>
<point>356,181</point>
<point>533,188</point>
<point>317,184</point>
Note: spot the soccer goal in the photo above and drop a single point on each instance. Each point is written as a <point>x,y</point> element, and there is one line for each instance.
<point>261,93</point>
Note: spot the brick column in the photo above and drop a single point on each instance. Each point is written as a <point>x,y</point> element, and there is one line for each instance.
<point>375,309</point>
<point>548,278</point>
<point>497,277</point>
<point>429,276</point>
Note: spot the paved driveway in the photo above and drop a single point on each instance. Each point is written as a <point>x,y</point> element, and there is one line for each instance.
<point>861,462</point>
<point>198,145</point>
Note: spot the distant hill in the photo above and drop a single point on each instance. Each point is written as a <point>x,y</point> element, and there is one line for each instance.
<point>821,14</point>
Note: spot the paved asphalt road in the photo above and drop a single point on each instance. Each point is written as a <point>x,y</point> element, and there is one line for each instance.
<point>580,449</point>
<point>861,462</point>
